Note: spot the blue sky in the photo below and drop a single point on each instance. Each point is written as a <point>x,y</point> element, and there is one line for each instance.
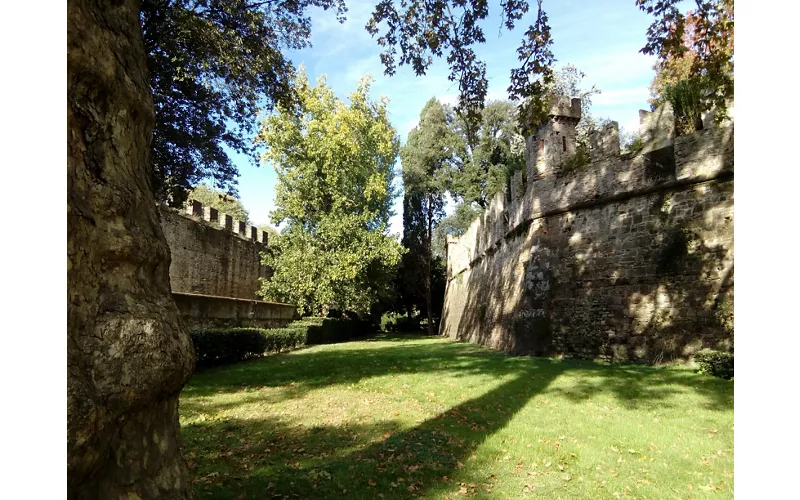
<point>602,38</point>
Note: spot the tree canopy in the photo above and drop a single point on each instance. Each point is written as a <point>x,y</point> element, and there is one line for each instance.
<point>224,202</point>
<point>427,158</point>
<point>456,225</point>
<point>335,165</point>
<point>695,47</point>
<point>489,156</point>
<point>422,31</point>
<point>215,64</point>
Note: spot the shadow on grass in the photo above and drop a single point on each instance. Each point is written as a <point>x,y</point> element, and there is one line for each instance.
<point>264,456</point>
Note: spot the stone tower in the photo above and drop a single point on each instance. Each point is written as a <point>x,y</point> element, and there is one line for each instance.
<point>554,141</point>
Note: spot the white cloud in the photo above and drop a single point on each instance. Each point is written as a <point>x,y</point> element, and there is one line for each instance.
<point>621,97</point>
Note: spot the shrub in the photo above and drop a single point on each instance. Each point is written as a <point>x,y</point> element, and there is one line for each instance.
<point>332,330</point>
<point>634,143</point>
<point>580,159</point>
<point>282,339</point>
<point>686,98</point>
<point>406,324</point>
<point>215,346</point>
<point>715,363</point>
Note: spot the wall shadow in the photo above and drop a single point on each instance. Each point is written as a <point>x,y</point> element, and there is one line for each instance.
<point>276,458</point>
<point>626,264</point>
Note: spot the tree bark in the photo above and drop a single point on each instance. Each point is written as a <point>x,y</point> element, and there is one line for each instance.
<point>127,354</point>
<point>428,259</point>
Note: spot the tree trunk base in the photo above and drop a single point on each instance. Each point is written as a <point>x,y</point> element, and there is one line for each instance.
<point>142,460</point>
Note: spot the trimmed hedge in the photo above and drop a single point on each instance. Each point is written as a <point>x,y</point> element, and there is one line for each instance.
<point>715,363</point>
<point>216,346</point>
<point>404,324</point>
<point>330,331</point>
<point>227,345</point>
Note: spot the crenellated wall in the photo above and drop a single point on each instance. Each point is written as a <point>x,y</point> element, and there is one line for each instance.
<point>213,254</point>
<point>629,258</point>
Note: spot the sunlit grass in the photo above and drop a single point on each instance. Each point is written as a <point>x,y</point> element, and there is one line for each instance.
<point>399,417</point>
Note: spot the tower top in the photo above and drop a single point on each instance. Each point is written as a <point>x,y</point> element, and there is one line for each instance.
<point>565,108</point>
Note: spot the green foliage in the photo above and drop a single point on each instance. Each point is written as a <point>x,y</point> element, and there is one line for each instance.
<point>404,324</point>
<point>213,65</point>
<point>455,225</point>
<point>487,155</point>
<point>427,159</point>
<point>224,202</point>
<point>697,46</point>
<point>715,363</point>
<point>531,82</point>
<point>215,346</point>
<point>687,100</point>
<point>430,29</point>
<point>335,167</point>
<point>580,159</point>
<point>428,152</point>
<point>333,330</point>
<point>632,143</point>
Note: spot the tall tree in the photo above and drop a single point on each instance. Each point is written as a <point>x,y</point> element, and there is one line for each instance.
<point>426,158</point>
<point>335,165</point>
<point>213,64</point>
<point>207,65</point>
<point>488,156</point>
<point>222,201</point>
<point>696,47</point>
<point>409,282</point>
<point>127,354</point>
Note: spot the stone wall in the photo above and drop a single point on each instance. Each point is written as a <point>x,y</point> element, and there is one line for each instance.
<point>627,259</point>
<point>203,311</point>
<point>212,253</point>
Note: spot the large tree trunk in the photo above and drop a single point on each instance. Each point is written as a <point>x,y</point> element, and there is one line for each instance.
<point>429,267</point>
<point>127,354</point>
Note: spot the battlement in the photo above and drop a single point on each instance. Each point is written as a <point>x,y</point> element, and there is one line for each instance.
<point>213,253</point>
<point>195,210</point>
<point>580,258</point>
<point>564,108</point>
<point>555,141</point>
<point>665,159</point>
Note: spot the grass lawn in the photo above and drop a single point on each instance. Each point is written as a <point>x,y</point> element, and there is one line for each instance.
<point>405,416</point>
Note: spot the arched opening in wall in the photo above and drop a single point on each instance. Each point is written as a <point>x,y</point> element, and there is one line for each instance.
<point>541,145</point>
<point>564,142</point>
